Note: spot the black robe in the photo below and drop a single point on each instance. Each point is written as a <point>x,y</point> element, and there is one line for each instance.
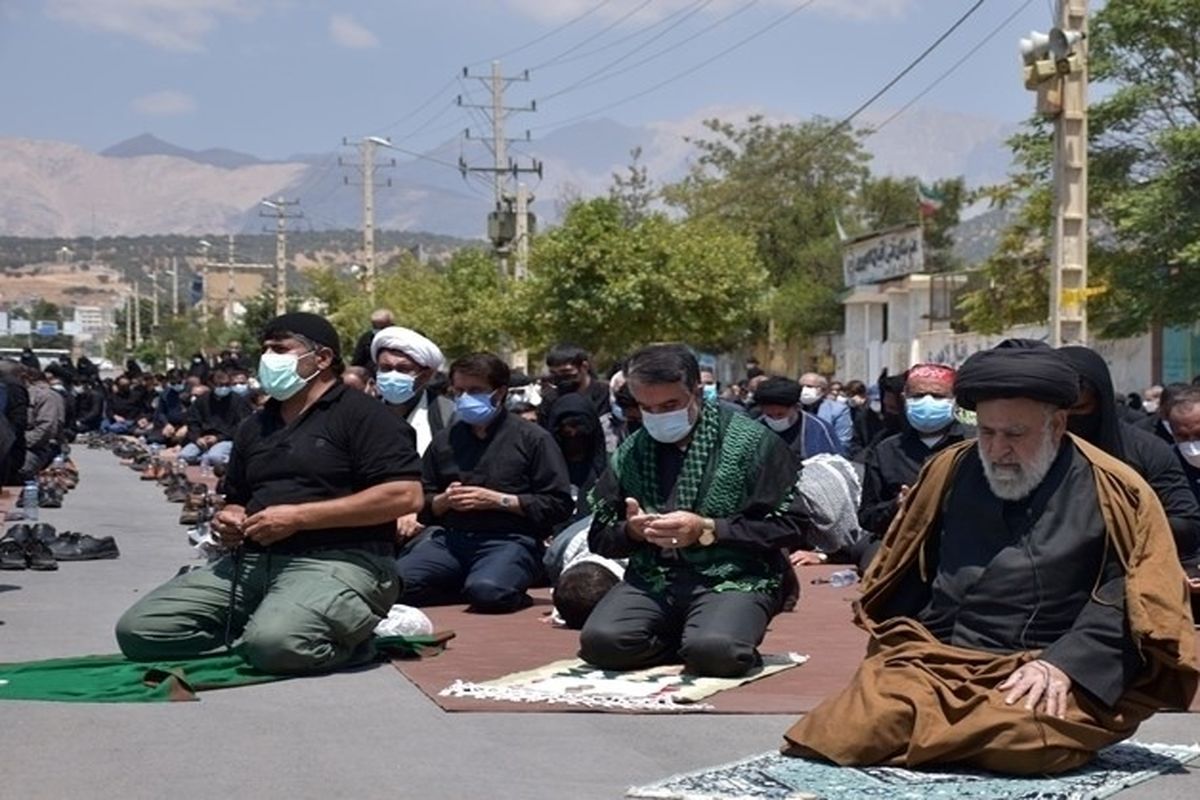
<point>1029,575</point>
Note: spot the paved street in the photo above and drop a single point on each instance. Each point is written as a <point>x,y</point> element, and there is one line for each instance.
<point>365,734</point>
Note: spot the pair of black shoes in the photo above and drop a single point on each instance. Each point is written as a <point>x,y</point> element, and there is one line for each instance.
<point>28,547</point>
<point>41,547</point>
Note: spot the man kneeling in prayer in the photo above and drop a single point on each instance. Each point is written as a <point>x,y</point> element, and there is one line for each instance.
<point>1027,607</point>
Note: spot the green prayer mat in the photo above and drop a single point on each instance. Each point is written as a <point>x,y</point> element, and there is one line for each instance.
<point>116,679</point>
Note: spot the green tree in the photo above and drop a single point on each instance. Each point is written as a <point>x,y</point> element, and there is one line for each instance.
<point>611,288</point>
<point>633,191</point>
<point>781,185</point>
<point>1144,173</point>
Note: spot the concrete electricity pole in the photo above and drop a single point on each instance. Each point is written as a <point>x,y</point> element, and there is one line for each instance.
<point>154,305</point>
<point>137,311</point>
<point>174,286</point>
<point>205,246</point>
<point>279,210</point>
<point>128,322</point>
<point>368,166</point>
<point>520,358</point>
<point>1056,67</point>
<point>501,223</point>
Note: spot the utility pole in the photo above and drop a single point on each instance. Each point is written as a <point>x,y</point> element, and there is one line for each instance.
<point>205,246</point>
<point>502,221</point>
<point>137,311</point>
<point>128,322</point>
<point>520,358</point>
<point>174,286</point>
<point>368,166</point>
<point>1056,67</point>
<point>231,284</point>
<point>279,210</point>
<point>154,312</point>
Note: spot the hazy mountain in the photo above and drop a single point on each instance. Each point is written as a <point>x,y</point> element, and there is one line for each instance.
<point>150,145</point>
<point>146,185</point>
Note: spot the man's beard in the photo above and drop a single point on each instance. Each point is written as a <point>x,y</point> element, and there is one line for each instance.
<point>1017,481</point>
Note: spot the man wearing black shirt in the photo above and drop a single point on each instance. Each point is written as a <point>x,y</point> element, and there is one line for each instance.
<point>212,420</point>
<point>314,487</point>
<point>126,403</point>
<point>497,485</point>
<point>570,369</point>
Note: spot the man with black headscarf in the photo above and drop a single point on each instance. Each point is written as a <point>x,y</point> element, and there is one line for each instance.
<point>1096,418</point>
<point>1026,608</point>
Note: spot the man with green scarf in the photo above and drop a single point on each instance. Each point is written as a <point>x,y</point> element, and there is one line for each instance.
<point>701,502</point>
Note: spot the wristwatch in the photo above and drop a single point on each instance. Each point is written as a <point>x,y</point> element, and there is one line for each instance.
<point>507,501</point>
<point>708,532</point>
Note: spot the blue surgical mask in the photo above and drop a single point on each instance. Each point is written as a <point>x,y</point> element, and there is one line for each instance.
<point>710,391</point>
<point>278,376</point>
<point>668,427</point>
<point>617,412</point>
<point>176,387</point>
<point>396,387</point>
<point>928,414</point>
<point>221,391</point>
<point>240,388</point>
<point>475,409</point>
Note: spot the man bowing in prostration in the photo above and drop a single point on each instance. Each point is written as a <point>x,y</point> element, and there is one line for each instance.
<point>1026,609</point>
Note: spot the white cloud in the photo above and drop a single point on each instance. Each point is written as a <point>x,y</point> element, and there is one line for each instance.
<point>560,11</point>
<point>180,25</point>
<point>343,30</point>
<point>167,103</point>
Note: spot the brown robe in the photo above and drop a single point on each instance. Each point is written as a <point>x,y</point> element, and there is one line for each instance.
<point>915,700</point>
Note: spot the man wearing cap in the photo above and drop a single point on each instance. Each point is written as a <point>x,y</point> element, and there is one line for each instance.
<point>1026,608</point>
<point>315,484</point>
<point>891,465</point>
<point>778,400</point>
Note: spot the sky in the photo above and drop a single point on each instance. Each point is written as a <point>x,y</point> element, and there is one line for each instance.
<point>280,77</point>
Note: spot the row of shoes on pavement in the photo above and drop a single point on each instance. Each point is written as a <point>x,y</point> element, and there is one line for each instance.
<point>39,546</point>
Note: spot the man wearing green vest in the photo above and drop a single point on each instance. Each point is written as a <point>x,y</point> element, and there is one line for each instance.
<point>702,503</point>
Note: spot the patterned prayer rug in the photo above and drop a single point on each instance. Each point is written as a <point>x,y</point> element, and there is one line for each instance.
<point>574,682</point>
<point>772,776</point>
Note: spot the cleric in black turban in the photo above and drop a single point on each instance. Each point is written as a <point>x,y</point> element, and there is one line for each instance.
<point>1038,373</point>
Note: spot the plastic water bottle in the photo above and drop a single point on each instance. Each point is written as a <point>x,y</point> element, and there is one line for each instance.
<point>181,465</point>
<point>30,502</point>
<point>843,577</point>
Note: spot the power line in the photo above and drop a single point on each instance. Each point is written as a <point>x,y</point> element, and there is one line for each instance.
<point>558,58</point>
<point>578,17</point>
<point>425,104</point>
<point>836,129</point>
<point>631,35</point>
<point>954,67</point>
<point>690,70</point>
<point>696,9</point>
<point>686,40</point>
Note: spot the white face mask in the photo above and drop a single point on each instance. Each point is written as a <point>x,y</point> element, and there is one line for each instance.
<point>1190,452</point>
<point>809,395</point>
<point>1150,406</point>
<point>669,427</point>
<point>779,425</point>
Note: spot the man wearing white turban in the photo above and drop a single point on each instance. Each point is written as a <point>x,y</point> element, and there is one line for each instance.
<point>407,365</point>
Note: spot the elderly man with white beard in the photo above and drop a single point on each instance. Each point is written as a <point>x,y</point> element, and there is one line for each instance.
<point>1026,608</point>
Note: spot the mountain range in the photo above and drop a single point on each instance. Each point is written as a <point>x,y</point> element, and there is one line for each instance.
<point>145,185</point>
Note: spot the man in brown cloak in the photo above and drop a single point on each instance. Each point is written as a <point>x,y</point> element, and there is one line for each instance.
<point>1027,607</point>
